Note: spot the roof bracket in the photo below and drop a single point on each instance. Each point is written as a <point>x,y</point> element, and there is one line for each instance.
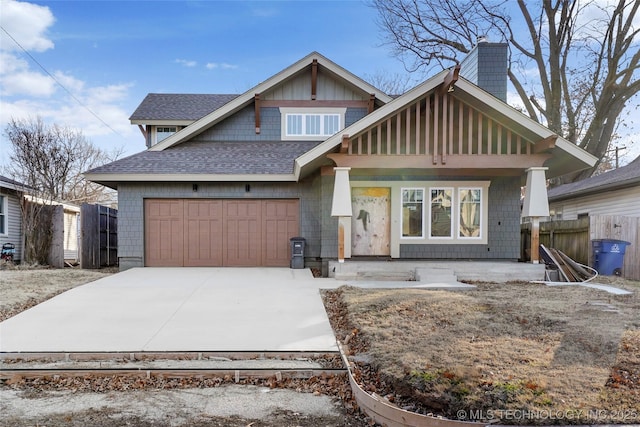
<point>372,103</point>
<point>450,79</point>
<point>545,144</point>
<point>344,146</point>
<point>314,79</point>
<point>256,100</point>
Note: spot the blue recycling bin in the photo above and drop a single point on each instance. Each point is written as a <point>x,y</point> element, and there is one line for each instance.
<point>608,256</point>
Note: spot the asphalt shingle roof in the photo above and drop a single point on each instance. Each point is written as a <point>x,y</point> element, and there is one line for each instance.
<point>227,158</point>
<point>623,176</point>
<point>176,106</point>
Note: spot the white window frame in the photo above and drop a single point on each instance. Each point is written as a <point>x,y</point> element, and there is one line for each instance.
<point>286,112</point>
<point>455,187</point>
<point>155,132</point>
<point>424,227</point>
<point>4,215</point>
<point>452,218</point>
<point>459,206</point>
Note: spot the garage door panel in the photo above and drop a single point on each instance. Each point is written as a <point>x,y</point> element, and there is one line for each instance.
<point>242,233</point>
<point>203,233</point>
<point>163,234</point>
<point>280,224</point>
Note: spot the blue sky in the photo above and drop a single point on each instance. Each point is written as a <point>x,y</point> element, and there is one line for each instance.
<point>109,54</point>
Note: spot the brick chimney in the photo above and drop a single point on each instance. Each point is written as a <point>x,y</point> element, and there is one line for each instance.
<point>486,67</point>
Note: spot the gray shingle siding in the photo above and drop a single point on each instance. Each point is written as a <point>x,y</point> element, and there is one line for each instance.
<point>486,66</point>
<point>242,126</point>
<point>131,209</point>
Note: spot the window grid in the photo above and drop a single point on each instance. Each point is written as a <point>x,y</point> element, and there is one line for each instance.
<point>312,124</point>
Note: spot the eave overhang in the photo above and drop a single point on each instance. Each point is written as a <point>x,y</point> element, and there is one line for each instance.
<point>112,180</point>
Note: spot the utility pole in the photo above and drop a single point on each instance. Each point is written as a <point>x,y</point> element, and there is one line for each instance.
<point>617,150</point>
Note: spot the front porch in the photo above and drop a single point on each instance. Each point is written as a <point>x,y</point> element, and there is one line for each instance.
<point>483,271</point>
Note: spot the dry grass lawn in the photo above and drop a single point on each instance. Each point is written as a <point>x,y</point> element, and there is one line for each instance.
<point>556,354</point>
<point>22,288</point>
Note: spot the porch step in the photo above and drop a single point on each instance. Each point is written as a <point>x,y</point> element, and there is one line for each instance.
<point>435,275</point>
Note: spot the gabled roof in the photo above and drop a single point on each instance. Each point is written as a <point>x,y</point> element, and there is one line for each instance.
<point>567,157</point>
<point>626,176</point>
<point>248,97</point>
<point>165,108</point>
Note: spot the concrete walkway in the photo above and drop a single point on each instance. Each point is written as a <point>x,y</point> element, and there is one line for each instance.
<point>179,310</point>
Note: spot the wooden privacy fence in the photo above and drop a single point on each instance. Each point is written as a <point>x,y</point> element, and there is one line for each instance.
<point>573,237</point>
<point>99,236</point>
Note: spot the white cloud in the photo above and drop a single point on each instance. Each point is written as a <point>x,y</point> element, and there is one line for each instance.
<point>27,24</point>
<point>186,63</point>
<point>27,91</point>
<point>223,65</point>
<point>27,83</point>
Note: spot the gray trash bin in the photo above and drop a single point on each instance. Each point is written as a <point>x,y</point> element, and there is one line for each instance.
<point>297,252</point>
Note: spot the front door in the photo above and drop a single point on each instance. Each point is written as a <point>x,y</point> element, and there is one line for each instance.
<point>370,223</point>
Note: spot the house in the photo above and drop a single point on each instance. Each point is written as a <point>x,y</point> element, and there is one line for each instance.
<point>11,193</point>
<point>616,192</point>
<point>316,152</point>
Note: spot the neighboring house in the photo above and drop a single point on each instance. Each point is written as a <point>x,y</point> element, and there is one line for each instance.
<point>316,152</point>
<point>11,193</point>
<point>616,192</point>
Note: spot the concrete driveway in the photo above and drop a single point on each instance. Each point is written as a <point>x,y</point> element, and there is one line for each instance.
<point>181,310</point>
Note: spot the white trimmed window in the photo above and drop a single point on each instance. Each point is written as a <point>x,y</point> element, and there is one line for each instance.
<point>413,212</point>
<point>4,227</point>
<point>441,201</point>
<point>439,214</point>
<point>163,132</point>
<point>311,123</point>
<point>470,213</point>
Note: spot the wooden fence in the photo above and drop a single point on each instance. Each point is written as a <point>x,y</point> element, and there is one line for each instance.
<point>573,237</point>
<point>99,236</point>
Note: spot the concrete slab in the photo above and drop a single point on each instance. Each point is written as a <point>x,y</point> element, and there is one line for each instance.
<point>179,309</point>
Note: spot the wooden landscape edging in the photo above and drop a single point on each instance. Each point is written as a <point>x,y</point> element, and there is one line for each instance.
<point>389,415</point>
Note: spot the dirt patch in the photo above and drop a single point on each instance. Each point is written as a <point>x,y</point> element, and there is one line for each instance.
<point>515,353</point>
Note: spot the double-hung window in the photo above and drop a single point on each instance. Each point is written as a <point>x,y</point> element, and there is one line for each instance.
<point>3,216</point>
<point>311,123</point>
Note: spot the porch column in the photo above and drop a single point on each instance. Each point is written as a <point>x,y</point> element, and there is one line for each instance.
<point>341,207</point>
<point>536,205</point>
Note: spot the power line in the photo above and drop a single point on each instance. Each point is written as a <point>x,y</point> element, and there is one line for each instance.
<point>60,84</point>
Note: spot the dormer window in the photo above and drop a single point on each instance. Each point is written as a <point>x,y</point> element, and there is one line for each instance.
<point>163,132</point>
<point>311,123</point>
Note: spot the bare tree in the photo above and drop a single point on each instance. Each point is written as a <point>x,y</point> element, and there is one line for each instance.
<point>574,64</point>
<point>50,160</point>
<point>391,84</point>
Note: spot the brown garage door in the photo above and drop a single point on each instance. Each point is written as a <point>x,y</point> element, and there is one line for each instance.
<point>213,233</point>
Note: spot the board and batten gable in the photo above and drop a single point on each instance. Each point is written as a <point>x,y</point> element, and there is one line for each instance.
<point>327,89</point>
<point>14,222</point>
<point>623,202</point>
